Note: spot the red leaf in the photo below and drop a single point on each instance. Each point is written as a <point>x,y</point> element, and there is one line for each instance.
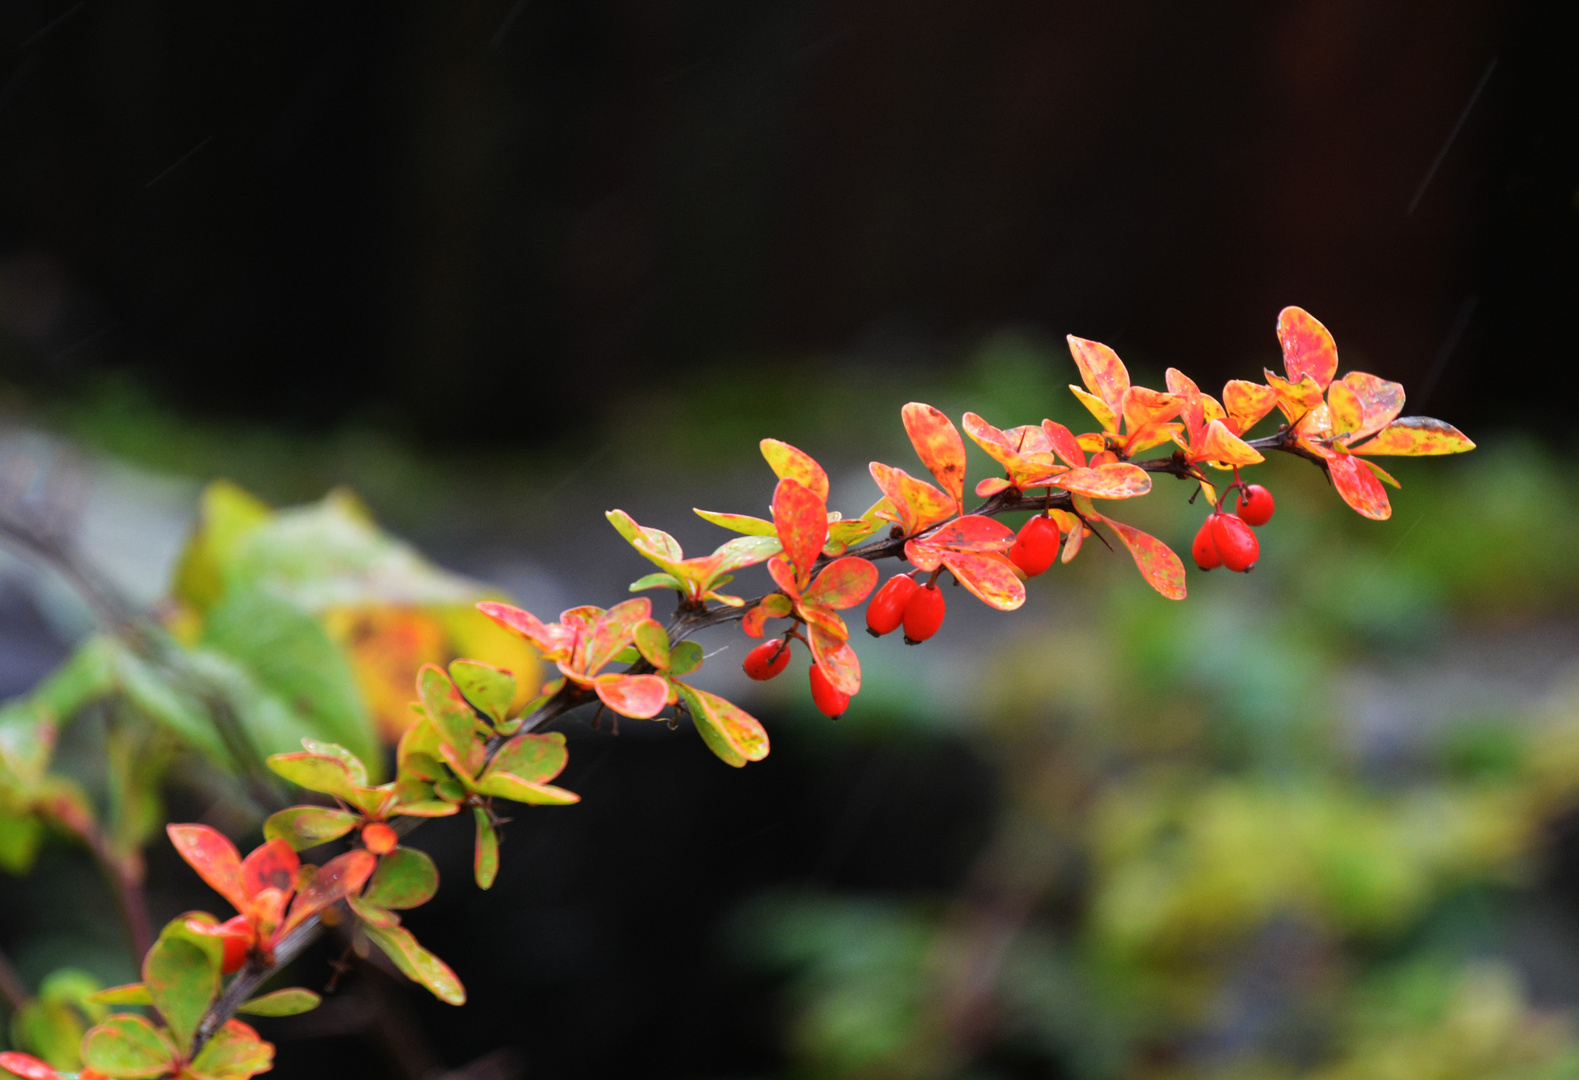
<point>1308,349</point>
<point>341,876</point>
<point>789,463</point>
<point>837,660</point>
<point>27,1066</point>
<point>271,866</point>
<point>1414,436</point>
<point>989,577</point>
<point>554,641</point>
<point>755,622</point>
<point>640,697</point>
<point>1158,564</point>
<point>917,503</point>
<point>1064,443</point>
<point>939,447</point>
<point>214,857</point>
<point>843,583</point>
<point>1102,371</point>
<point>783,575</point>
<point>1359,486</point>
<point>801,518</point>
<point>973,532</point>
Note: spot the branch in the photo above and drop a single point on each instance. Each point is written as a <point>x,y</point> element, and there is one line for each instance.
<point>12,988</point>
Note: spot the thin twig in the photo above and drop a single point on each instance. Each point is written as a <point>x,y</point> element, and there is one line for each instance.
<point>12,988</point>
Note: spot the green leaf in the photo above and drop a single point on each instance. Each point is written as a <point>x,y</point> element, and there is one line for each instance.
<point>226,515</point>
<point>405,878</point>
<point>52,1024</point>
<point>129,994</point>
<point>314,773</point>
<point>728,730</point>
<point>653,642</point>
<point>503,785</point>
<point>234,1053</point>
<point>488,688</point>
<point>287,1002</point>
<point>127,1047</point>
<point>88,675</point>
<point>353,764</point>
<point>533,758</point>
<point>485,859</point>
<point>182,981</point>
<point>289,654</point>
<point>20,837</point>
<point>416,963</point>
<point>659,580</point>
<point>303,827</point>
<point>452,717</point>
<point>372,914</point>
<point>684,658</point>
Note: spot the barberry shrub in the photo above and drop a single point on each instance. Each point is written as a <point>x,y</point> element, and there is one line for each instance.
<point>245,666</point>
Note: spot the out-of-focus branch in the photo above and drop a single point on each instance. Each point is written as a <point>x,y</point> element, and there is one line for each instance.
<point>12,989</point>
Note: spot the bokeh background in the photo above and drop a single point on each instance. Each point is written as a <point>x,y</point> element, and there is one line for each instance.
<point>500,266</point>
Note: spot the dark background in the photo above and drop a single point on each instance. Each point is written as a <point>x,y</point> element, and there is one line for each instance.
<point>304,213</point>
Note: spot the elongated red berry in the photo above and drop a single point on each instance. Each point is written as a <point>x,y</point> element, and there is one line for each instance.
<point>1203,549</point>
<point>924,613</point>
<point>379,838</point>
<point>1036,545</point>
<point>1235,542</point>
<point>887,607</point>
<point>767,660</point>
<point>829,699</point>
<point>1256,505</point>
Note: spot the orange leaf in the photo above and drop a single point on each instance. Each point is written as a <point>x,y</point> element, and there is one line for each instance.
<point>783,575</point>
<point>843,583</point>
<point>1064,443</point>
<point>1308,349</point>
<point>1359,486</point>
<point>1247,403</point>
<point>801,518</point>
<point>1345,409</point>
<point>917,503</point>
<point>640,697</point>
<point>837,660</point>
<point>613,631</point>
<point>1101,370</point>
<point>789,463</point>
<point>341,876</point>
<point>1417,436</point>
<point>922,555</point>
<point>214,857</point>
<point>1380,400</point>
<point>973,532</point>
<point>1225,448</point>
<point>1295,398</point>
<point>1117,480</point>
<point>1158,564</point>
<point>991,486</point>
<point>1147,436</point>
<point>939,447</point>
<point>270,866</point>
<point>989,576</point>
<point>1142,406</point>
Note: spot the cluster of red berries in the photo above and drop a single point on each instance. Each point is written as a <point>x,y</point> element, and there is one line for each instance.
<point>903,601</point>
<point>1227,539</point>
<point>768,661</point>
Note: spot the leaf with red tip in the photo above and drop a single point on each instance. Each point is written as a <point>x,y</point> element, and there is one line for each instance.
<point>728,730</point>
<point>503,785</point>
<point>553,641</point>
<point>1359,486</point>
<point>27,1066</point>
<point>917,503</point>
<point>788,463</point>
<point>655,544</point>
<point>1223,447</point>
<point>939,447</point>
<point>640,697</point>
<point>991,486</point>
<point>270,866</point>
<point>416,963</point>
<point>214,857</point>
<point>1416,436</point>
<point>1308,348</point>
<point>613,631</point>
<point>182,979</point>
<point>837,660</point>
<point>234,1053</point>
<point>485,854</point>
<point>1097,408</point>
<point>128,1047</point>
<point>336,878</point>
<point>740,523</point>
<point>801,517</point>
<point>1142,406</point>
<point>1064,443</point>
<point>989,577</point>
<point>1101,370</point>
<point>843,583</point>
<point>1119,480</point>
<point>744,551</point>
<point>1161,568</point>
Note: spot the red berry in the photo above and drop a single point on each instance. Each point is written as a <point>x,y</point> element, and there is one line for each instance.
<point>1235,542</point>
<point>1203,549</point>
<point>829,699</point>
<point>767,660</point>
<point>1036,545</point>
<point>1255,504</point>
<point>379,838</point>
<point>924,613</point>
<point>887,609</point>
